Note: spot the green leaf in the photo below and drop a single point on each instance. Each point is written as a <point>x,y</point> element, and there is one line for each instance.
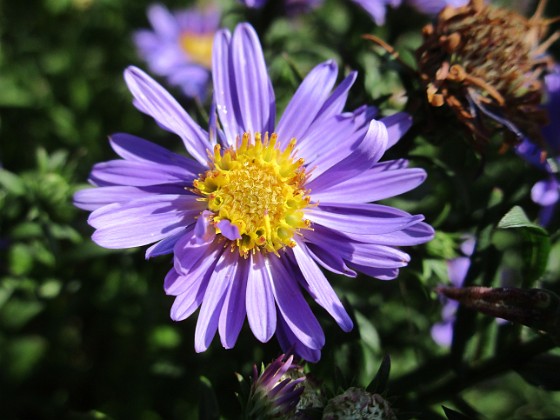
<point>535,244</point>
<point>208,408</point>
<point>379,383</point>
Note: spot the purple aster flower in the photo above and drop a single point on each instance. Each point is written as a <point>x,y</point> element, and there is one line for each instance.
<point>258,207</point>
<point>457,269</point>
<point>276,391</point>
<point>180,46</point>
<point>292,7</point>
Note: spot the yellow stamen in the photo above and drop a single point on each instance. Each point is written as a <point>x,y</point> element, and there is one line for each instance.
<point>260,190</point>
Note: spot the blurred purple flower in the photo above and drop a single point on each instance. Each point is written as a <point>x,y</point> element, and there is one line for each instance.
<point>292,7</point>
<point>457,269</point>
<point>251,217</point>
<point>546,192</point>
<point>180,46</point>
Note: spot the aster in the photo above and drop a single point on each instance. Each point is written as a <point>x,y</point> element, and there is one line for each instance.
<point>258,206</point>
<point>377,8</point>
<point>180,46</point>
<point>276,391</point>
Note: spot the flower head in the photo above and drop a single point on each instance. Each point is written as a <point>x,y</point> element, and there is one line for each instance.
<point>259,206</point>
<point>276,391</point>
<point>357,403</point>
<point>485,64</point>
<point>180,46</point>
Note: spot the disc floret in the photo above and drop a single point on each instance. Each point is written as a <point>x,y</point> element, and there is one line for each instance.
<point>260,190</point>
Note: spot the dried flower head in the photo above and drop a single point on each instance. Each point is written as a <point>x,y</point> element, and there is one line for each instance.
<point>357,403</point>
<point>486,64</point>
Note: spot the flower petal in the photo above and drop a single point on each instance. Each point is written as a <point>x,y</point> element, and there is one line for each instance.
<point>261,309</point>
<point>192,296</point>
<point>372,186</point>
<point>290,344</point>
<point>234,310</point>
<point>252,82</point>
<point>154,100</point>
<point>361,218</point>
<point>306,103</point>
<point>218,286</point>
<point>397,126</point>
<point>134,148</point>
<point>320,288</point>
<point>143,221</point>
<point>293,307</point>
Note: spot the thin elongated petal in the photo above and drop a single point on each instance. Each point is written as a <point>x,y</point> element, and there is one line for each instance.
<point>163,247</point>
<point>138,174</point>
<point>134,148</point>
<point>361,218</point>
<point>307,102</point>
<point>187,302</point>
<point>234,310</point>
<point>225,94</point>
<point>155,101</point>
<point>261,309</point>
<point>372,186</point>
<point>94,198</point>
<point>320,288</point>
<point>363,156</point>
<point>142,221</point>
<point>218,287</point>
<point>294,309</point>
<point>335,104</point>
<point>290,343</point>
<point>251,81</point>
<point>397,126</point>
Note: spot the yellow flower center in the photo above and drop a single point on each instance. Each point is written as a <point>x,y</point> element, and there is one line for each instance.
<point>260,190</point>
<point>198,47</point>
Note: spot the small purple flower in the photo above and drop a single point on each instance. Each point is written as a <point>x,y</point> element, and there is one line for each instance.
<point>276,392</point>
<point>180,46</point>
<point>259,206</point>
<point>292,7</point>
<point>546,192</point>
<point>457,269</point>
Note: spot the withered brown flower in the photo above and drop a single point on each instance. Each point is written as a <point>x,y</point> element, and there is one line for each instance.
<point>486,64</point>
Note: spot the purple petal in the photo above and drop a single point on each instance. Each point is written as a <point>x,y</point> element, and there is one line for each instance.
<point>134,148</point>
<point>225,94</point>
<point>397,126</point>
<point>252,82</point>
<point>218,286</point>
<point>372,186</point>
<point>364,156</point>
<point>192,296</point>
<point>155,101</point>
<point>320,288</point>
<point>138,174</point>
<point>261,309</point>
<point>94,198</point>
<point>163,22</point>
<point>306,103</point>
<point>442,333</point>
<point>229,230</point>
<point>163,247</point>
<point>361,218</point>
<point>191,253</point>
<point>290,344</point>
<point>378,273</point>
<point>143,221</point>
<point>546,192</point>
<point>457,269</point>
<point>293,308</point>
<point>234,310</point>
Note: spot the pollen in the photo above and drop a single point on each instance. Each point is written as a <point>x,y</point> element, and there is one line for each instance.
<point>260,190</point>
<point>198,47</point>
